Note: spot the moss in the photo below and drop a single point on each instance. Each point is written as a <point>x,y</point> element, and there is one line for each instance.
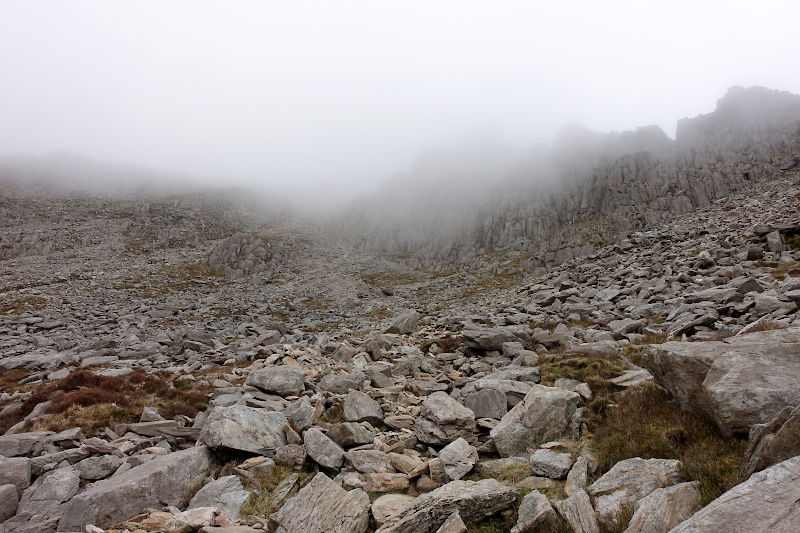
<point>23,305</point>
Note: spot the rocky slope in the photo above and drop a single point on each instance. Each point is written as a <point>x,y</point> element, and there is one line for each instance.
<point>179,365</point>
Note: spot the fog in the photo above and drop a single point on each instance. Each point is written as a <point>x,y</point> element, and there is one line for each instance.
<point>323,101</point>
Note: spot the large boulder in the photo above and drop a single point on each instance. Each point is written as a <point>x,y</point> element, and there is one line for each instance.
<point>577,511</point>
<point>225,493</point>
<point>628,482</point>
<point>773,442</point>
<point>359,407</point>
<point>767,501</point>
<point>458,458</point>
<point>405,322</point>
<point>545,414</point>
<point>442,420</point>
<point>15,471</point>
<point>389,504</point>
<point>322,506</point>
<point>247,429</point>
<point>663,509</point>
<point>166,480</point>
<point>282,380</point>
<point>488,338</point>
<point>741,381</point>
<point>473,500</point>
<point>322,449</point>
<point>536,515</point>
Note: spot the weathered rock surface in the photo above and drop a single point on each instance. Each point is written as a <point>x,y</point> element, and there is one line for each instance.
<point>663,509</point>
<point>324,507</point>
<point>765,502</point>
<point>443,420</point>
<point>248,429</point>
<point>458,458</point>
<point>774,442</point>
<point>536,515</point>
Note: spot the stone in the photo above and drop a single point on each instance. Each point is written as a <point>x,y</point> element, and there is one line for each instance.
<point>22,443</point>
<point>536,515</point>
<point>453,524</point>
<point>474,500</point>
<point>458,458</point>
<point>369,461</point>
<point>166,480</point>
<point>775,242</point>
<point>45,495</point>
<point>442,420</point>
<point>15,471</point>
<point>543,415</point>
<point>404,323</point>
<point>282,380</point>
<point>246,429</point>
<point>769,443</point>
<point>350,434</point>
<point>741,381</point>
<point>9,501</point>
<point>495,468</point>
<point>359,407</point>
<point>323,450</point>
<point>342,383</point>
<point>322,506</point>
<point>663,509</point>
<point>408,464</point>
<point>225,493</point>
<point>577,511</point>
<point>488,338</point>
<point>767,501</point>
<point>388,504</point>
<point>487,403</point>
<point>577,477</point>
<point>629,481</point>
<point>550,464</point>
<point>292,455</point>
<point>386,482</point>
<point>98,467</point>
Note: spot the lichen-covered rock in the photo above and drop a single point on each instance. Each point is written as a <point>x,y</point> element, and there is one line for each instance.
<point>442,420</point>
<point>247,429</point>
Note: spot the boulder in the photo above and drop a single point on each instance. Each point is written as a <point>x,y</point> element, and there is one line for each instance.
<point>629,481</point>
<point>322,449</point>
<point>550,464</point>
<point>543,415</point>
<point>350,434</point>
<point>663,509</point>
<point>536,515</point>
<point>359,407</point>
<point>9,501</point>
<point>165,480</point>
<point>369,461</point>
<point>741,381</point>
<point>488,338</point>
<point>388,504</point>
<point>247,429</point>
<point>577,511</point>
<point>487,403</point>
<point>474,500</point>
<point>453,524</point>
<point>322,506</point>
<point>98,467</point>
<point>767,501</point>
<point>404,323</point>
<point>225,493</point>
<point>771,443</point>
<point>458,458</point>
<point>22,443</point>
<point>342,383</point>
<point>15,471</point>
<point>442,420</point>
<point>282,380</point>
<point>45,496</point>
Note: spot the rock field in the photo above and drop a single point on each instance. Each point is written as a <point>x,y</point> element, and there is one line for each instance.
<point>181,363</point>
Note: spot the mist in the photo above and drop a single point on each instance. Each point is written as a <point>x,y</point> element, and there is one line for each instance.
<point>322,102</point>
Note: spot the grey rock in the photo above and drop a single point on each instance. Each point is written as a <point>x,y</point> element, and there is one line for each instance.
<point>388,504</point>
<point>543,415</point>
<point>577,511</point>
<point>322,506</point>
<point>536,515</point>
<point>404,323</point>
<point>487,403</point>
<point>453,524</point>
<point>15,471</point>
<point>359,407</point>
<point>550,464</point>
<point>663,509</point>
<point>282,380</point>
<point>629,481</point>
<point>767,501</point>
<point>442,420</point>
<point>9,501</point>
<point>458,458</point>
<point>93,468</point>
<point>323,450</point>
<point>488,338</point>
<point>226,493</point>
<point>577,477</point>
<point>243,428</point>
<point>369,461</point>
<point>342,383</point>
<point>474,500</point>
<point>166,480</point>
<point>349,434</point>
<point>773,442</point>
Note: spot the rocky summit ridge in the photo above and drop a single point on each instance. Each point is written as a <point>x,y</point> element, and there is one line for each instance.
<point>175,362</point>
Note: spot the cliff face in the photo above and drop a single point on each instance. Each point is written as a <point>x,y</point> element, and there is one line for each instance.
<point>588,189</point>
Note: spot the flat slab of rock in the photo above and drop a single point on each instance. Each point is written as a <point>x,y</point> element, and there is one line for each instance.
<point>225,493</point>
<point>769,443</point>
<point>247,429</point>
<point>473,500</point>
<point>322,506</point>
<point>577,511</point>
<point>166,480</point>
<point>741,381</point>
<point>322,449</point>
<point>389,504</point>
<point>543,415</point>
<point>458,458</point>
<point>765,502</point>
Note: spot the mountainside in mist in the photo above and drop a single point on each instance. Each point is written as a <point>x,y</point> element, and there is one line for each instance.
<point>588,189</point>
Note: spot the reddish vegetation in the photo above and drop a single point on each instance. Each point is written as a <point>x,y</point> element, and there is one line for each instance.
<point>127,394</point>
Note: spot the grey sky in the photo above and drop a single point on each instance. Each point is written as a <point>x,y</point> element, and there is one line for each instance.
<point>333,95</point>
